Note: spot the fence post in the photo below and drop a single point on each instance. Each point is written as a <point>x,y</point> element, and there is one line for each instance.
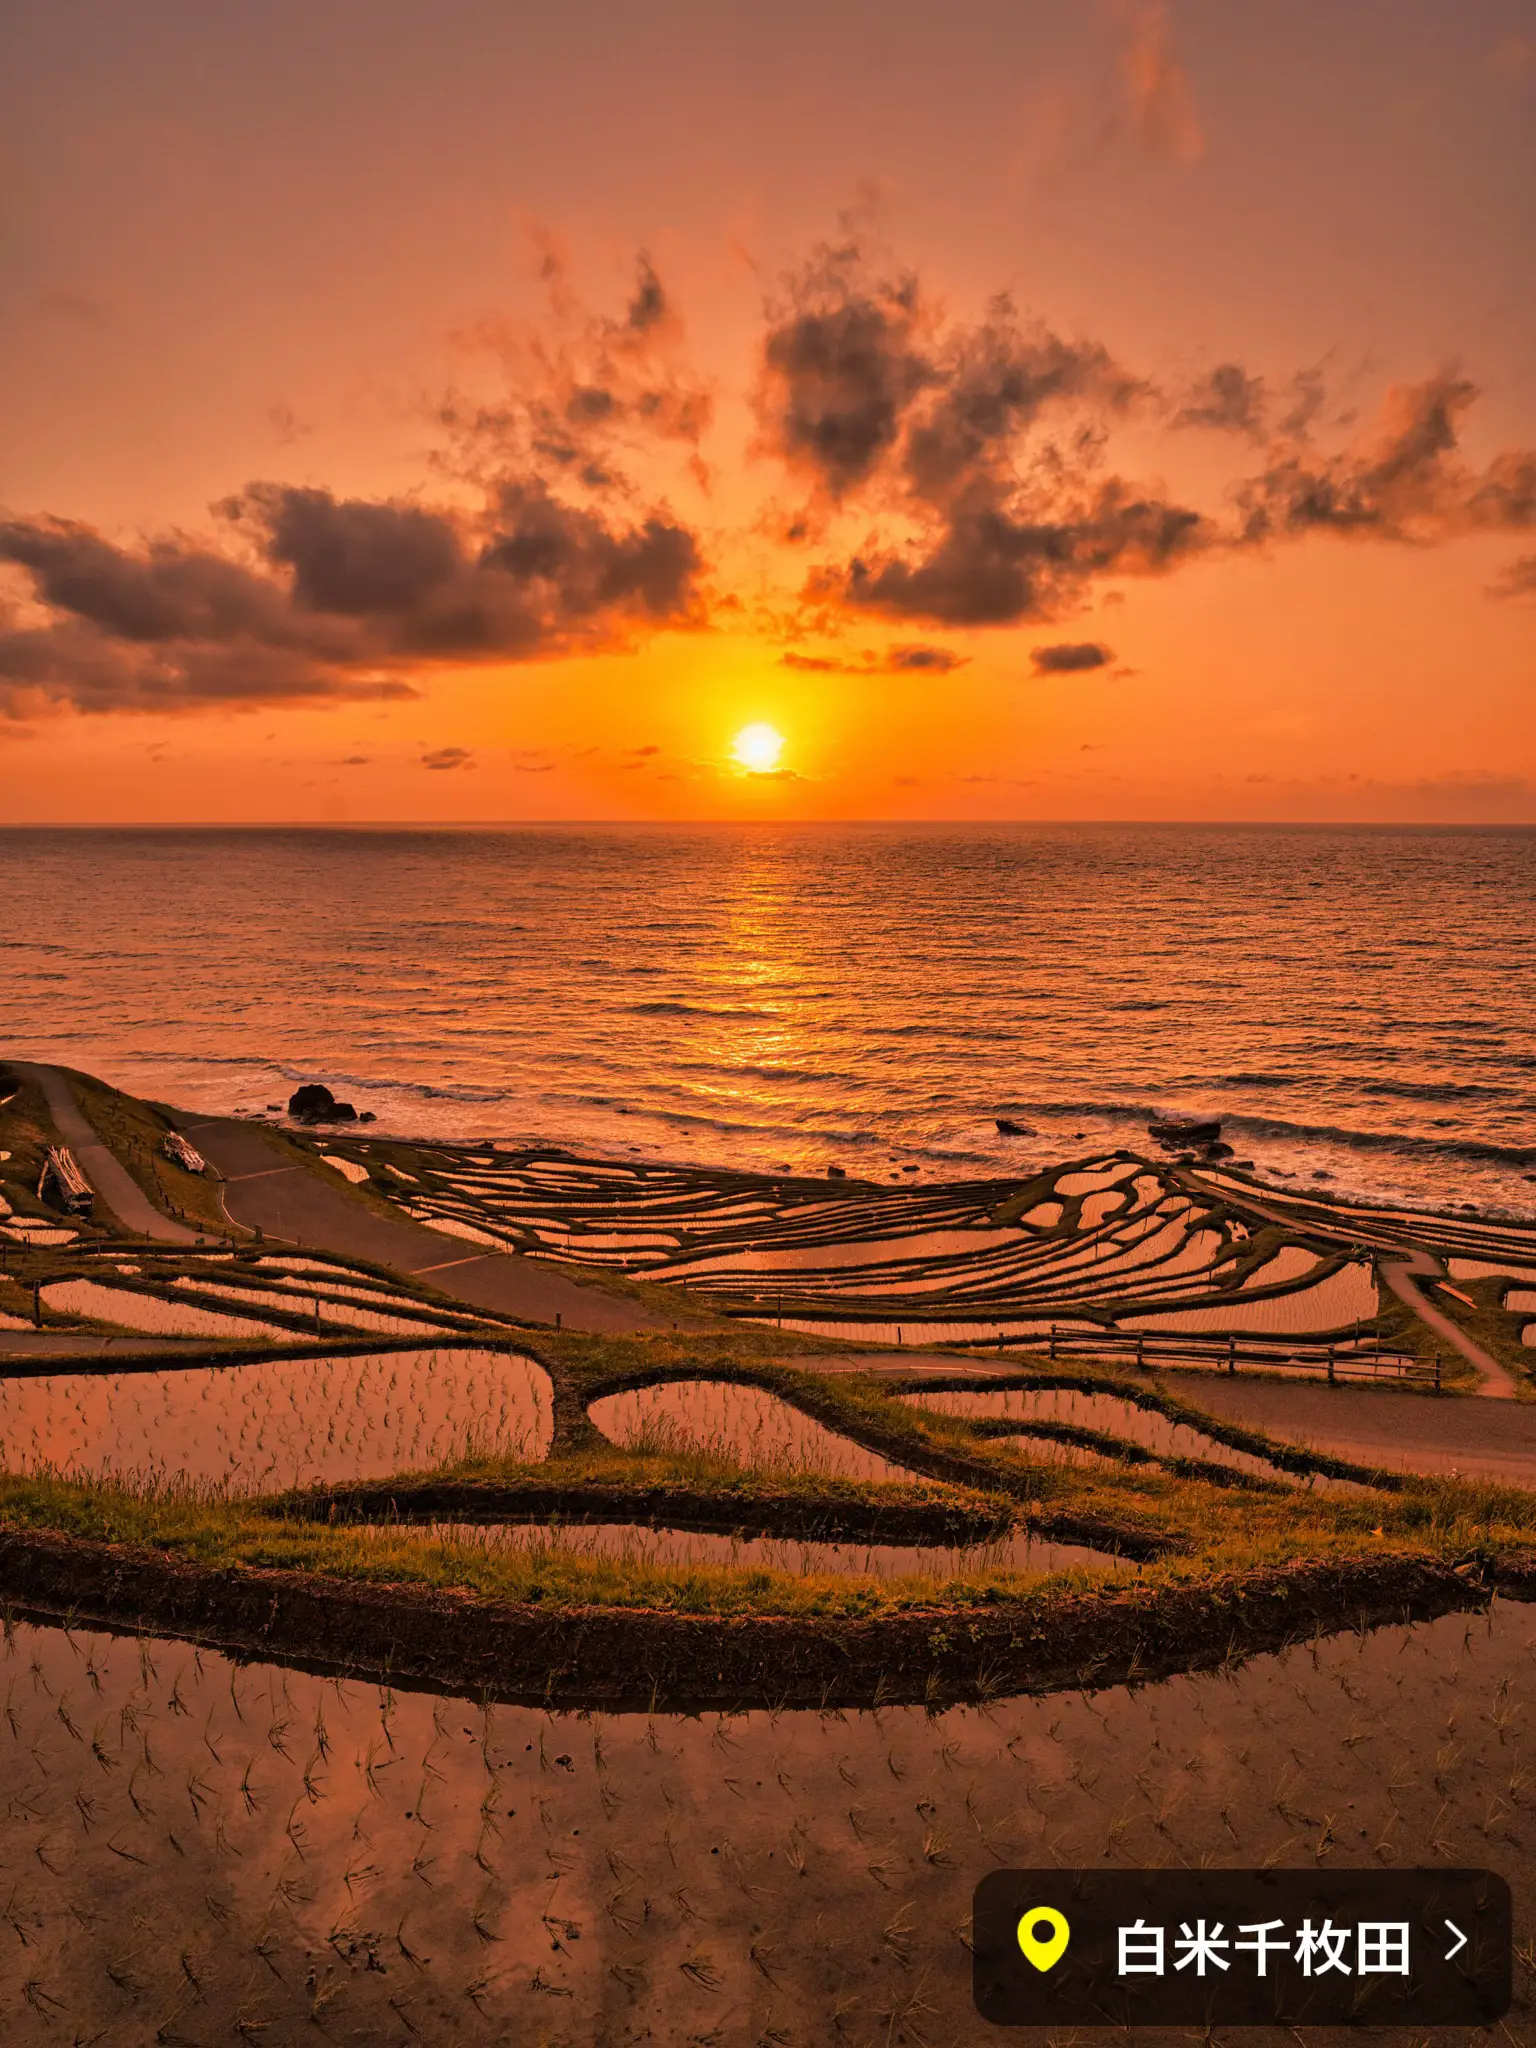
<point>1053,1340</point>
<point>37,1303</point>
<point>898,1333</point>
<point>1437,1372</point>
<point>1232,1355</point>
<point>1141,1352</point>
<point>1332,1380</point>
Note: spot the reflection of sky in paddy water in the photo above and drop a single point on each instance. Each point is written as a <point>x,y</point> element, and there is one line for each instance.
<point>279,1422</point>
<point>1152,1431</point>
<point>746,1425</point>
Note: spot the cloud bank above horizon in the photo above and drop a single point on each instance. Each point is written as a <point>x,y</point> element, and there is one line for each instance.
<point>911,468</point>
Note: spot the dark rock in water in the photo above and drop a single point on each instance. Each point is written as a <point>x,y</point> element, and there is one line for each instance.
<point>1186,1130</point>
<point>837,1173</point>
<point>314,1103</point>
<point>367,1117</point>
<point>1218,1150</point>
<point>1007,1128</point>
<point>1322,1173</point>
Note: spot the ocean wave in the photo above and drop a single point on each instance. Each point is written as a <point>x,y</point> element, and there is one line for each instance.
<point>675,1009</point>
<point>1472,1149</point>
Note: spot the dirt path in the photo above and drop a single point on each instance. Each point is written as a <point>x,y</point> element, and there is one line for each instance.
<point>1404,1432</point>
<point>1497,1383</point>
<point>265,1191</point>
<point>1410,1432</point>
<point>111,1180</point>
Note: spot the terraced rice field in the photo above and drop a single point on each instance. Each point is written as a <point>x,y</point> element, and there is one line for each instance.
<point>743,1424</point>
<point>278,1422</point>
<point>127,1308</point>
<point>1144,1428</point>
<point>207,1848</point>
<point>1111,1245</point>
<point>212,1294</point>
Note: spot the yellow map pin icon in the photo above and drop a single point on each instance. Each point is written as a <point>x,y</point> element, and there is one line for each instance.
<point>1043,1936</point>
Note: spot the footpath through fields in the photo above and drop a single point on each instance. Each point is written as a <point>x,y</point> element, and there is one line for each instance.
<point>101,1167</point>
<point>1404,1432</point>
<point>266,1190</point>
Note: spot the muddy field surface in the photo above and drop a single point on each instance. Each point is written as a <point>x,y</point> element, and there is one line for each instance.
<point>199,1852</point>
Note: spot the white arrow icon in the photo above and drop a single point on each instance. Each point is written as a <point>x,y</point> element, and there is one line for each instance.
<point>1461,1940</point>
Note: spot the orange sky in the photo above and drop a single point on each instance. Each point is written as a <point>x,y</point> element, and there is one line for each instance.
<point>482,411</point>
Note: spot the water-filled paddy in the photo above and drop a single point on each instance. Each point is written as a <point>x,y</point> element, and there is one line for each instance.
<point>303,1303</point>
<point>127,1309</point>
<point>1345,1297</point>
<point>194,1844</point>
<point>746,1425</point>
<point>1106,1412</point>
<point>278,1422</point>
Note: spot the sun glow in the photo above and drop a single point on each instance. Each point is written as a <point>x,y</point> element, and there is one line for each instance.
<point>757,748</point>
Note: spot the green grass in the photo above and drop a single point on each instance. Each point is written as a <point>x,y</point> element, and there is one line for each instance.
<point>1451,1520</point>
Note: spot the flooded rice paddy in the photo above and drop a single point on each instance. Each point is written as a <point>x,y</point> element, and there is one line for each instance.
<point>1123,1419</point>
<point>125,1308</point>
<point>746,1425</point>
<point>197,1850</point>
<point>279,1422</point>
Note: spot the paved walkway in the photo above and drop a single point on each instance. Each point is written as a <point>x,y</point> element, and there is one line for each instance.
<point>265,1190</point>
<point>111,1180</point>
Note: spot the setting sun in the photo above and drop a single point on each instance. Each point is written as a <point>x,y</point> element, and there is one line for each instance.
<point>757,748</point>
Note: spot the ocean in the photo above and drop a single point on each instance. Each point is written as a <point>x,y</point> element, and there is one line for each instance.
<point>1358,1004</point>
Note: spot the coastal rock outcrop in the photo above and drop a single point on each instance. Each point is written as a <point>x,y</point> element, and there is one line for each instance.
<point>1174,1131</point>
<point>313,1103</point>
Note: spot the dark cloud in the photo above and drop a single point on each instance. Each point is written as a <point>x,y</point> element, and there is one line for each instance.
<point>842,363</point>
<point>648,309</point>
<point>1405,480</point>
<point>932,660</point>
<point>859,381</point>
<point>344,598</point>
<point>584,391</point>
<point>448,757</point>
<point>1516,578</point>
<point>1070,657</point>
<point>1229,399</point>
<point>986,441</point>
<point>993,565</point>
<point>903,660</point>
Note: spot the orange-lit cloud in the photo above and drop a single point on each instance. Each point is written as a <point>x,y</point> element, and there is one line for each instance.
<point>967,474</point>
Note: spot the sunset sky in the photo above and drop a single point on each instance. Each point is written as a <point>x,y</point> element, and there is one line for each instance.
<point>487,411</point>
